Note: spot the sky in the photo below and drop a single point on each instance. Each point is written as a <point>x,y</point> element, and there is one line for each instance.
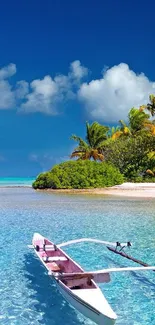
<point>63,63</point>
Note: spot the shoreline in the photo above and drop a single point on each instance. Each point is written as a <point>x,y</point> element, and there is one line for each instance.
<point>142,190</point>
<point>135,190</point>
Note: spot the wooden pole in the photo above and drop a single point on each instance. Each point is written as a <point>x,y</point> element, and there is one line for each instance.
<point>128,257</point>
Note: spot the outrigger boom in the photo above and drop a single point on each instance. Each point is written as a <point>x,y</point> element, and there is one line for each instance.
<point>92,274</point>
<point>75,241</point>
<point>117,245</point>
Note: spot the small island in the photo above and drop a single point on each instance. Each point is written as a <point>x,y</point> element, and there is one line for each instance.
<point>109,156</point>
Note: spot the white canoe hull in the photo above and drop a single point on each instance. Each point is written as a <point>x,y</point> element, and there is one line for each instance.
<point>84,308</point>
<point>89,302</point>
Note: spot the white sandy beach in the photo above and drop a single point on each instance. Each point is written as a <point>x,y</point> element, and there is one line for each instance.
<point>143,190</point>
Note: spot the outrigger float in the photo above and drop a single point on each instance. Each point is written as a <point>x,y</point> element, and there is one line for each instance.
<point>78,287</point>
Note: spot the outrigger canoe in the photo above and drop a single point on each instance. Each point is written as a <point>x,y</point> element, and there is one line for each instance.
<point>78,287</point>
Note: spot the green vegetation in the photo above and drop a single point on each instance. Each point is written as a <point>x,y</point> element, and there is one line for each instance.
<point>109,154</point>
<point>96,135</point>
<point>79,174</point>
<point>131,156</point>
<point>129,146</point>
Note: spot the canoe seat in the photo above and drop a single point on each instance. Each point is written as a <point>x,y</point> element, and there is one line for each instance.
<point>54,267</point>
<point>54,258</point>
<point>45,248</point>
<point>49,247</point>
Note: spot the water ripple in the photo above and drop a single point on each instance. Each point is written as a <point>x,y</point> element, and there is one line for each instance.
<point>28,295</point>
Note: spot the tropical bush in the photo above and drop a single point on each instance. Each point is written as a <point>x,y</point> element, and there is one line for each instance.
<point>131,155</point>
<point>78,175</point>
<point>130,146</point>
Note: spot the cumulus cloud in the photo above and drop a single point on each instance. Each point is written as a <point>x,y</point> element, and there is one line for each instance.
<point>110,97</point>
<point>107,99</point>
<point>47,94</point>
<point>7,97</point>
<point>43,96</point>
<point>77,70</point>
<point>8,71</point>
<point>22,89</point>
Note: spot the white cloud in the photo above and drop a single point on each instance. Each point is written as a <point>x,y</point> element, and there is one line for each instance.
<point>111,97</point>
<point>7,98</point>
<point>77,70</point>
<point>43,96</point>
<point>45,87</point>
<point>9,95</point>
<point>47,94</point>
<point>107,99</point>
<point>8,71</point>
<point>22,89</point>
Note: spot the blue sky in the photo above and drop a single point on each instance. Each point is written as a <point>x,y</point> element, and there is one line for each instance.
<point>65,62</point>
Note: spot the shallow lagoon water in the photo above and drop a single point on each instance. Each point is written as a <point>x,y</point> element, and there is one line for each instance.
<point>28,295</point>
<point>16,181</point>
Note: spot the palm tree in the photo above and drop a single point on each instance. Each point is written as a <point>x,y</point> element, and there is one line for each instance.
<point>113,132</point>
<point>92,148</point>
<point>151,106</point>
<point>118,131</point>
<point>150,126</point>
<point>124,128</point>
<point>138,120</point>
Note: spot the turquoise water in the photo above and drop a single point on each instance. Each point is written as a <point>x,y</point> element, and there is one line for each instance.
<point>16,181</point>
<point>28,296</point>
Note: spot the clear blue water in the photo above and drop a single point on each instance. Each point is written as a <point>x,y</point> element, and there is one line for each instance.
<point>16,181</point>
<point>28,296</point>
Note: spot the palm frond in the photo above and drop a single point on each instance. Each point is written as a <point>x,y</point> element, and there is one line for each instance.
<point>142,108</point>
<point>82,143</point>
<point>92,147</point>
<point>150,172</point>
<point>116,135</point>
<point>151,127</point>
<point>123,124</point>
<point>88,133</point>
<point>77,154</point>
<point>126,131</point>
